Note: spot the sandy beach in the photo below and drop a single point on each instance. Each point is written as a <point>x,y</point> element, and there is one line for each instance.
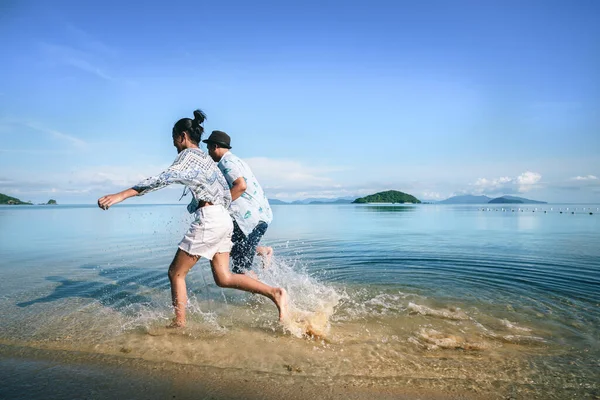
<point>52,374</point>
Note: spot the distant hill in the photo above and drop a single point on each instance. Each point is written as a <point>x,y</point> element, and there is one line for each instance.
<point>4,199</point>
<point>336,201</point>
<point>324,200</point>
<point>316,200</point>
<point>503,200</point>
<point>275,201</point>
<point>514,200</point>
<point>466,199</point>
<point>49,203</point>
<point>470,199</point>
<point>390,196</point>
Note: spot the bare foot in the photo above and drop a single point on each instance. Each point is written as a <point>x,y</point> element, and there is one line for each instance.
<point>176,324</point>
<point>266,253</point>
<point>264,250</point>
<point>281,301</point>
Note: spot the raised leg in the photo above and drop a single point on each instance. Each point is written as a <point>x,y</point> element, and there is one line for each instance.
<point>225,278</point>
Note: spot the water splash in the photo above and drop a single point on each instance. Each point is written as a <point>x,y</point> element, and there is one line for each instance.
<point>311,302</point>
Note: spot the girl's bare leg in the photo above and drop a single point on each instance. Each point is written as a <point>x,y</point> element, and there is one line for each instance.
<point>225,278</point>
<point>180,266</point>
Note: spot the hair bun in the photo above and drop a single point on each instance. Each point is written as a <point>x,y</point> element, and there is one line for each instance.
<point>199,116</point>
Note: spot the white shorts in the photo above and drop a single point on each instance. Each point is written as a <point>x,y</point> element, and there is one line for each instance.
<point>210,233</point>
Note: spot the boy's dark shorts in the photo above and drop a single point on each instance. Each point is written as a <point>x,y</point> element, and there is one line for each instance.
<point>244,248</point>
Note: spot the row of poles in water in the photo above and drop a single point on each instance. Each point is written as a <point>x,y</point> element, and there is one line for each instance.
<point>566,210</point>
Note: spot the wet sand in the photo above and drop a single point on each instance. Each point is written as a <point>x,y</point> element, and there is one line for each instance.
<point>42,374</point>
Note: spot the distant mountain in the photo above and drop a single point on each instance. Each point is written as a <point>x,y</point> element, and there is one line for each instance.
<point>514,200</point>
<point>316,200</point>
<point>325,200</point>
<point>394,196</point>
<point>503,200</point>
<point>466,199</point>
<point>4,199</point>
<point>50,202</point>
<point>336,201</point>
<point>275,201</point>
<point>390,196</point>
<point>470,199</point>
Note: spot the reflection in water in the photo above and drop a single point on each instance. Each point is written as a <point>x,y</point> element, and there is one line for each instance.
<point>527,221</point>
<point>392,208</point>
<point>119,295</point>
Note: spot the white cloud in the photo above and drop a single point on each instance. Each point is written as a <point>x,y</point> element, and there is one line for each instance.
<point>87,66</point>
<point>334,193</point>
<point>36,151</point>
<point>483,185</point>
<point>587,182</point>
<point>13,125</point>
<point>82,60</point>
<point>289,174</point>
<point>81,181</point>
<point>585,178</point>
<point>85,53</point>
<point>92,44</point>
<point>431,196</point>
<point>75,141</point>
<point>111,176</point>
<point>528,180</point>
<point>284,179</point>
<point>525,182</point>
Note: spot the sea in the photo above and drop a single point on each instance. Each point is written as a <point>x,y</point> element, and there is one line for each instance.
<point>497,300</point>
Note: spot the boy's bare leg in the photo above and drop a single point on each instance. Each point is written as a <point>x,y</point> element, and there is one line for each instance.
<point>225,278</point>
<point>180,266</point>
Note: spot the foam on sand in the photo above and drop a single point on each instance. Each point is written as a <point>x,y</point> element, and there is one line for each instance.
<point>452,314</point>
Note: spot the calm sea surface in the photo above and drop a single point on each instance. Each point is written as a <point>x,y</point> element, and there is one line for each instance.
<point>501,300</point>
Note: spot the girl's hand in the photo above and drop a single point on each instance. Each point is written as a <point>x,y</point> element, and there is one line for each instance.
<point>110,199</point>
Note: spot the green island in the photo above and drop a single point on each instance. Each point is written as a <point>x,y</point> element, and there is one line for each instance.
<point>8,200</point>
<point>389,196</point>
<point>4,199</point>
<point>49,203</point>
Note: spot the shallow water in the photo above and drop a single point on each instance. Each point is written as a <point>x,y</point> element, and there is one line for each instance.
<point>501,300</point>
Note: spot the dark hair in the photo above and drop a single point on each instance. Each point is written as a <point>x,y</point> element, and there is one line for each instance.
<point>193,127</point>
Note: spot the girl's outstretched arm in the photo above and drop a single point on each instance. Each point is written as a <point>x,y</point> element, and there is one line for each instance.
<point>105,202</point>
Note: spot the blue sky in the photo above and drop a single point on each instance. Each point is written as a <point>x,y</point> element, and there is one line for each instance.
<point>323,99</point>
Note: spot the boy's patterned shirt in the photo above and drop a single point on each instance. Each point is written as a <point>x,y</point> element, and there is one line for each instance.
<point>252,206</point>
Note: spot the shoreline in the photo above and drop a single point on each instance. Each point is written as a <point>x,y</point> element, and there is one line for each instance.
<point>59,374</point>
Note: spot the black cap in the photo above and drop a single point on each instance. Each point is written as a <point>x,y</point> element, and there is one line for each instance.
<point>220,138</point>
